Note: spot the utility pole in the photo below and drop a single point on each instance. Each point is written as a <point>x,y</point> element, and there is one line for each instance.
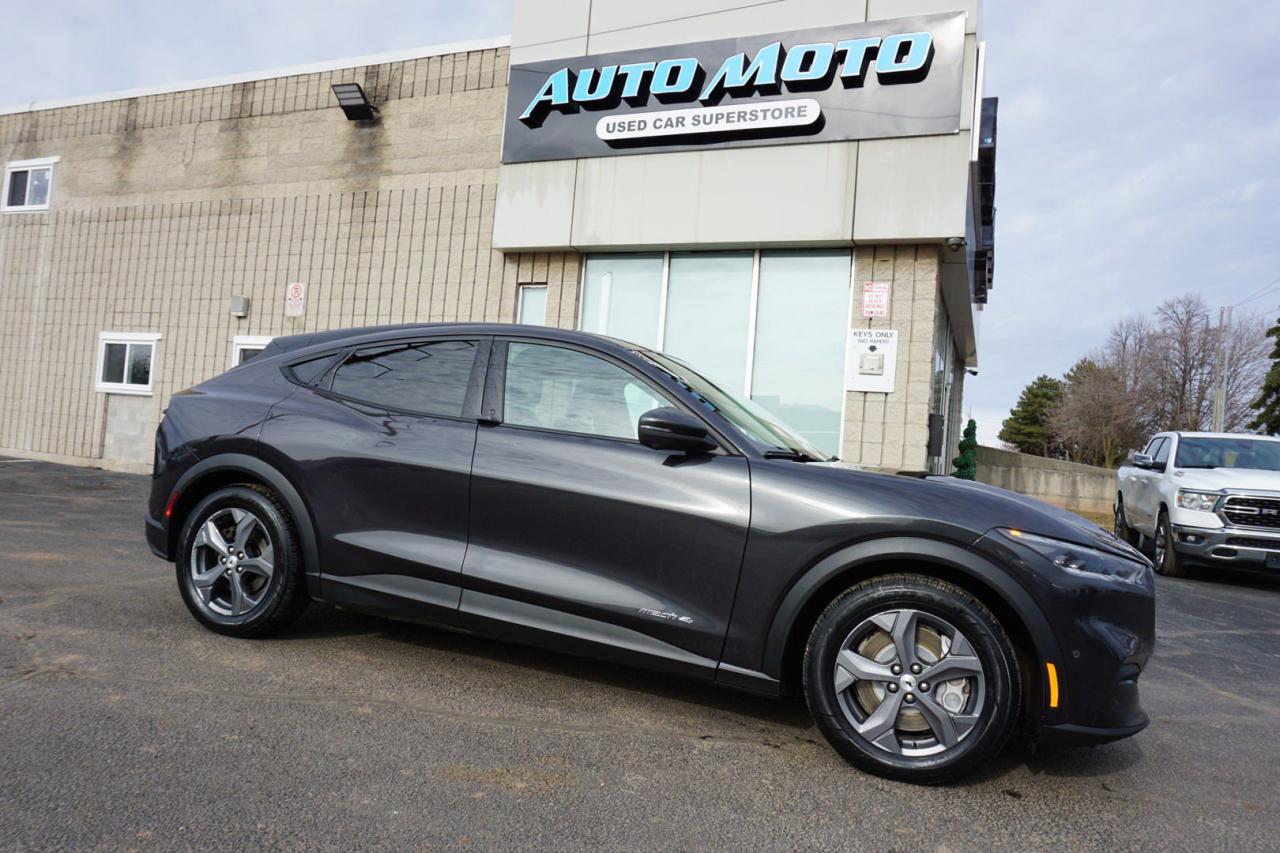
<point>1220,383</point>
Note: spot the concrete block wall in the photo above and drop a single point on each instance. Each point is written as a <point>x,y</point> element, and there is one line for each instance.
<point>164,206</point>
<point>1070,485</point>
<point>891,431</point>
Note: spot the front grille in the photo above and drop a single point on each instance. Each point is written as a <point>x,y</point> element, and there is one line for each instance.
<point>1252,512</point>
<point>1245,542</point>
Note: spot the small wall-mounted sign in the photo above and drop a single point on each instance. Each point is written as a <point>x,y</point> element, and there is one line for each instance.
<point>875,299</point>
<point>295,299</point>
<point>873,360</point>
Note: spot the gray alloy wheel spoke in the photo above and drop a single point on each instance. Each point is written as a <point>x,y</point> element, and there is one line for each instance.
<point>851,667</point>
<point>204,581</point>
<point>246,525</point>
<point>939,720</point>
<point>263,564</point>
<point>239,601</point>
<point>952,666</point>
<point>211,537</point>
<point>904,636</point>
<point>882,721</point>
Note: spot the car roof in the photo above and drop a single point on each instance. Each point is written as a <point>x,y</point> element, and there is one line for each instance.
<point>372,334</point>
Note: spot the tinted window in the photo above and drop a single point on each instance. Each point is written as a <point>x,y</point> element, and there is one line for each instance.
<point>17,189</point>
<point>429,377</point>
<point>1229,453</point>
<point>1162,451</point>
<point>308,372</point>
<point>570,391</point>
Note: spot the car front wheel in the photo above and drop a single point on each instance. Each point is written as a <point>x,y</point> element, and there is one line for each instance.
<point>1166,558</point>
<point>912,678</point>
<point>238,564</point>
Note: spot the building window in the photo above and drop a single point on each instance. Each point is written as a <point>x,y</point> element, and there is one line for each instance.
<point>27,184</point>
<point>246,347</point>
<point>773,325</point>
<point>126,362</point>
<point>531,308</point>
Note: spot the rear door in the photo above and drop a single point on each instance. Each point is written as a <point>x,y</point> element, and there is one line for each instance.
<point>383,450</point>
<point>585,539</point>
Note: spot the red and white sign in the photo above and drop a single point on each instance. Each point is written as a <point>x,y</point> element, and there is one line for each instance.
<point>295,299</point>
<point>875,299</point>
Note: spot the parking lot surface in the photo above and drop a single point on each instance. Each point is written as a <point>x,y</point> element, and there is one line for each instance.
<point>124,724</point>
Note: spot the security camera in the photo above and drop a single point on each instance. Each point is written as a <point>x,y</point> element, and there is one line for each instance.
<point>955,244</point>
<point>972,372</point>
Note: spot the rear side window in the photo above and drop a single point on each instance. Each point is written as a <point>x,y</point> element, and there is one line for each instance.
<point>309,372</point>
<point>424,376</point>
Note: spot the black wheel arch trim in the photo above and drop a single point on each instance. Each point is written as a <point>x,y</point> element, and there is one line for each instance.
<point>272,476</point>
<point>951,556</point>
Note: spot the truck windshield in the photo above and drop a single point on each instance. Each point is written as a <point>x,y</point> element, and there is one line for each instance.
<point>1228,453</point>
<point>748,416</point>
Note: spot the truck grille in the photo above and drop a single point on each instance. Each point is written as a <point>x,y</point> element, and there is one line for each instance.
<point>1252,512</point>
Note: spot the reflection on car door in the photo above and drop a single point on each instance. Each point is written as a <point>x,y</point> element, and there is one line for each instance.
<point>1146,491</point>
<point>384,452</point>
<point>583,537</point>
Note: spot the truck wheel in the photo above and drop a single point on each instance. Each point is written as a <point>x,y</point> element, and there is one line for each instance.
<point>1123,531</point>
<point>1167,562</point>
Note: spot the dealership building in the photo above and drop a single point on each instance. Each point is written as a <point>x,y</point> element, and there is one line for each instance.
<point>796,197</point>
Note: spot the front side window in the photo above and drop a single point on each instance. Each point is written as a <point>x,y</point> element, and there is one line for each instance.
<point>430,377</point>
<point>27,184</point>
<point>1162,451</point>
<point>1256,453</point>
<point>125,362</point>
<point>565,390</point>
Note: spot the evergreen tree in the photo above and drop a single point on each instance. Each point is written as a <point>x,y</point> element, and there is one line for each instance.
<point>967,462</point>
<point>1268,401</point>
<point>1029,425</point>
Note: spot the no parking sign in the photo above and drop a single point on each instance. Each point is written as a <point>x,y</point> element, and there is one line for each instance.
<point>295,299</point>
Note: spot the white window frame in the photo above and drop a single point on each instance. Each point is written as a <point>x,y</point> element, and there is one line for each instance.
<point>520,292</point>
<point>23,166</point>
<point>127,338</point>
<point>244,342</point>
<point>748,379</point>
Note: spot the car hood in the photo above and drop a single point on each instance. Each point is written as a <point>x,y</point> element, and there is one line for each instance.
<point>1213,479</point>
<point>976,507</point>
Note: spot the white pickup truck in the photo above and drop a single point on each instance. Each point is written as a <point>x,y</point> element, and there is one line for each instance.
<point>1203,499</point>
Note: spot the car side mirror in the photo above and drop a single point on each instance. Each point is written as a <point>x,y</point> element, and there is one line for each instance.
<point>669,428</point>
<point>1142,460</point>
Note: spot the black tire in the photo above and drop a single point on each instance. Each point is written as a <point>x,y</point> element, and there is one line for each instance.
<point>1167,561</point>
<point>1123,531</point>
<point>282,598</point>
<point>930,598</point>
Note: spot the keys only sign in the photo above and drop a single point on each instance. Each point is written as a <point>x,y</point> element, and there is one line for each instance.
<point>860,81</point>
<point>873,360</point>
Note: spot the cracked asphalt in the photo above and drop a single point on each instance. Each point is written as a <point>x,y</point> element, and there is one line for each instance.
<point>125,725</point>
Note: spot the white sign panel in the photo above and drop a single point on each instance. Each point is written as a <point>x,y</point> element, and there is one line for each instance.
<point>800,112</point>
<point>875,299</point>
<point>873,360</point>
<point>295,299</point>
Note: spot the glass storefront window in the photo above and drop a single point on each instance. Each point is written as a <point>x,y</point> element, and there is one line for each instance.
<point>708,313</point>
<point>622,297</point>
<point>802,326</point>
<point>794,306</point>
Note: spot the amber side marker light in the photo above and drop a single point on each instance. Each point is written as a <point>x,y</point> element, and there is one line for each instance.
<point>1052,672</point>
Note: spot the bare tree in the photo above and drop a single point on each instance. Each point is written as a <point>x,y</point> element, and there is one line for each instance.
<point>1098,418</point>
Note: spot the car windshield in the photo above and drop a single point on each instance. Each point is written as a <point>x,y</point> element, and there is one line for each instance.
<point>1228,453</point>
<point>748,416</point>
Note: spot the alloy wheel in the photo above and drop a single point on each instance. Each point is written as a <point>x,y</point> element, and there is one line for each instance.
<point>909,683</point>
<point>1161,541</point>
<point>232,562</point>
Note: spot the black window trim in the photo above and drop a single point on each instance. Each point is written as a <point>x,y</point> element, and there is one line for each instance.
<point>493,407</point>
<point>470,402</point>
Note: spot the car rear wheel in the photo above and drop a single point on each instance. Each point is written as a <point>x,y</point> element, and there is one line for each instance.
<point>238,564</point>
<point>912,678</point>
<point>1166,558</point>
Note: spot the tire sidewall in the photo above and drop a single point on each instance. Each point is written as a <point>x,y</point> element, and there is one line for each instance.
<point>971,619</point>
<point>279,530</point>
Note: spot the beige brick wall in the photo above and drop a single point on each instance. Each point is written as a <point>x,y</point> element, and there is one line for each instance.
<point>165,206</point>
<point>891,431</point>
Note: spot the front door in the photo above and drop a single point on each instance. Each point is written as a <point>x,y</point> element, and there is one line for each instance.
<point>582,537</point>
<point>384,454</point>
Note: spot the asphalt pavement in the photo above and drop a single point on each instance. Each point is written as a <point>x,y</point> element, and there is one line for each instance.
<point>125,725</point>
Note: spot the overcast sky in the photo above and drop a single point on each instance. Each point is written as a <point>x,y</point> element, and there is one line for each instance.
<point>1139,147</point>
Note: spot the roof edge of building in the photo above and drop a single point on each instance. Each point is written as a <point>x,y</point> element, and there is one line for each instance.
<point>267,74</point>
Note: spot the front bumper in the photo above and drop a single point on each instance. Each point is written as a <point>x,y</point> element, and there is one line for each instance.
<point>1230,547</point>
<point>1103,636</point>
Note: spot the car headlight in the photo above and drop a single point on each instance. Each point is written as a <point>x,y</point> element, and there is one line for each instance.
<point>1081,559</point>
<point>1202,501</point>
